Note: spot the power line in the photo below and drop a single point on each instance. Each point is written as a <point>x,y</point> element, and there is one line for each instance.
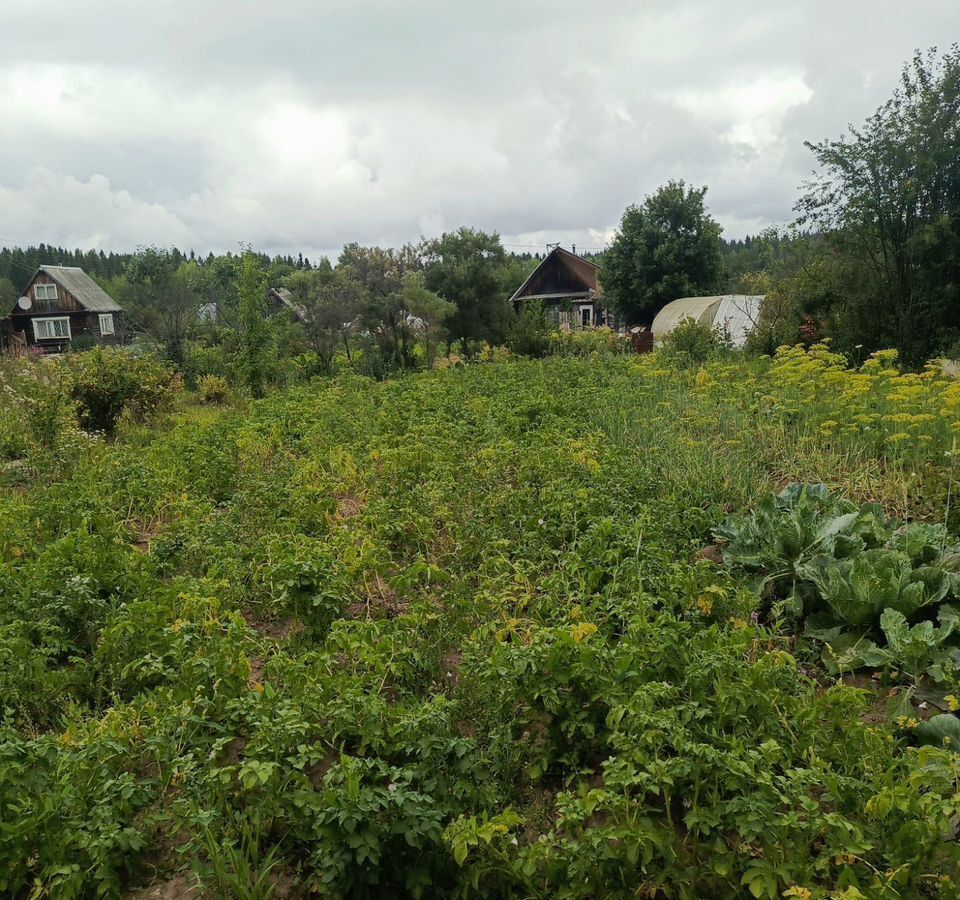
<point>544,246</point>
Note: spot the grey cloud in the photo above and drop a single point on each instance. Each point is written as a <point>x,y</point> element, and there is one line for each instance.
<point>299,125</point>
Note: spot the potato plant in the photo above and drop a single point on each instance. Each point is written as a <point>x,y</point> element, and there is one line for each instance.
<point>462,634</point>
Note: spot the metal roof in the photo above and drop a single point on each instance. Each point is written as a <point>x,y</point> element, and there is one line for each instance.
<point>85,290</point>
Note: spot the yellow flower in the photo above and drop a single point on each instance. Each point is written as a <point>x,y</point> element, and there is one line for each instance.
<point>907,721</point>
<point>582,631</point>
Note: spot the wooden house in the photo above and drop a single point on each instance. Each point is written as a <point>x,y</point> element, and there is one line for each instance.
<point>569,288</point>
<point>59,305</point>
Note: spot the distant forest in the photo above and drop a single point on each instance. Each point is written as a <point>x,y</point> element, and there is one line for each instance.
<point>17,264</point>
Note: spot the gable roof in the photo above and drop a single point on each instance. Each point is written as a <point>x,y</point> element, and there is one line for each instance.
<point>84,289</point>
<point>560,274</point>
<point>287,299</point>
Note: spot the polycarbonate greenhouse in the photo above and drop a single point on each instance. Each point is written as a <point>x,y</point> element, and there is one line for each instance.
<point>734,314</point>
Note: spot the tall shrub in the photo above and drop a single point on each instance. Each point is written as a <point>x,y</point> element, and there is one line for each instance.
<point>254,333</point>
<point>105,383</point>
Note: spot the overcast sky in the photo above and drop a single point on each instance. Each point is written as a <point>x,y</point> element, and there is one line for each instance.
<point>296,125</point>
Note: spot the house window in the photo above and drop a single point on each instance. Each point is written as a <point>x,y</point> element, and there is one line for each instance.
<point>586,316</point>
<point>106,323</point>
<point>51,329</point>
<point>45,291</point>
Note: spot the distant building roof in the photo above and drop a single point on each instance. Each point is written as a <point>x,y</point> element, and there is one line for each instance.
<point>287,299</point>
<point>735,313</point>
<point>560,275</point>
<point>87,292</point>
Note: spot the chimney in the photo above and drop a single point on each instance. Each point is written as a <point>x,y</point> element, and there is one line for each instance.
<point>574,249</point>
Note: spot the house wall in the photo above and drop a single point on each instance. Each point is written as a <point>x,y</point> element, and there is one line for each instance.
<point>567,314</point>
<point>65,301</point>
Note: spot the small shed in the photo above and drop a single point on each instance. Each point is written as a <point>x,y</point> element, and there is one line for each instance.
<point>59,305</point>
<point>734,314</point>
<point>569,288</point>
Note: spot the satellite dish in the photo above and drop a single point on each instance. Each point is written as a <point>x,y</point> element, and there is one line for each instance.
<point>24,302</point>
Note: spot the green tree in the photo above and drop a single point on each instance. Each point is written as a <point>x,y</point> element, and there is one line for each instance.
<point>254,331</point>
<point>667,247</point>
<point>802,278</point>
<point>465,267</point>
<point>530,334</point>
<point>331,305</point>
<point>8,295</point>
<point>377,276</point>
<point>162,296</point>
<point>888,196</point>
<point>429,311</point>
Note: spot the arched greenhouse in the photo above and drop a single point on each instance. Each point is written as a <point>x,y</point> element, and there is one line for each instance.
<point>734,314</point>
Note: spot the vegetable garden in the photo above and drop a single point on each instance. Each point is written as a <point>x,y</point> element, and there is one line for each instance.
<point>598,626</point>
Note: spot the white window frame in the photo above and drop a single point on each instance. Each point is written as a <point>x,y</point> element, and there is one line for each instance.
<point>106,324</point>
<point>49,292</point>
<point>52,337</point>
<point>588,308</point>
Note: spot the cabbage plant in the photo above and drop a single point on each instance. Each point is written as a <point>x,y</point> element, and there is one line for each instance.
<point>918,651</point>
<point>789,530</point>
<point>856,591</point>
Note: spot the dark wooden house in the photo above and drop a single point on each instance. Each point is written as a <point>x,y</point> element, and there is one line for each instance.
<point>569,289</point>
<point>59,305</point>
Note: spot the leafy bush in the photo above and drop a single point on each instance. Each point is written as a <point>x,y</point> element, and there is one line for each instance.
<point>213,388</point>
<point>692,343</point>
<point>82,343</point>
<point>105,384</point>
<point>530,334</point>
<point>35,406</point>
<point>589,341</point>
<point>201,359</point>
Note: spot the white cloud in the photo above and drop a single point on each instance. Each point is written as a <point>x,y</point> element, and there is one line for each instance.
<point>751,113</point>
<point>86,213</point>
